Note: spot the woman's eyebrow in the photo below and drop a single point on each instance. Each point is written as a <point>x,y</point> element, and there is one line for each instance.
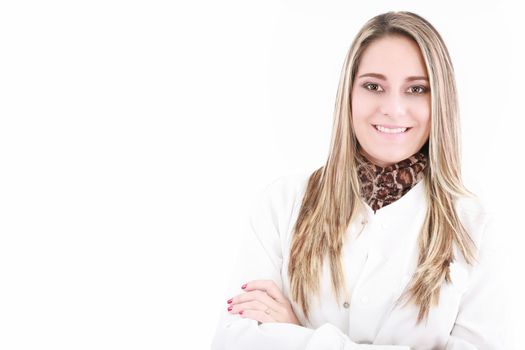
<point>381,76</point>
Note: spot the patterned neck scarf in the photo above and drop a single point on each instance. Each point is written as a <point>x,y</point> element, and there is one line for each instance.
<point>383,186</point>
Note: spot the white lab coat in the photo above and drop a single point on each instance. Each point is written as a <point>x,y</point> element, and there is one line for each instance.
<point>378,265</point>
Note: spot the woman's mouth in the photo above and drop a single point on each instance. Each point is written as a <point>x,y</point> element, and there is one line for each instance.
<point>391,129</point>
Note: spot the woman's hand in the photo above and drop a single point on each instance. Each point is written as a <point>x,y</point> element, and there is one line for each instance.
<point>263,302</point>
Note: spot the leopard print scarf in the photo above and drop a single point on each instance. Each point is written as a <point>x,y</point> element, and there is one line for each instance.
<point>383,186</point>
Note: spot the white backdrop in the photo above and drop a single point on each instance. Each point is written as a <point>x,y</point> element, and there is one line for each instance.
<point>134,135</point>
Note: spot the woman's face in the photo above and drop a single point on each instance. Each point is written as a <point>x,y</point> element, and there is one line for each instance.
<point>391,100</point>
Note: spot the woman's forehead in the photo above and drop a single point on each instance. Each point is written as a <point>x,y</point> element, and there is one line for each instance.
<point>395,57</point>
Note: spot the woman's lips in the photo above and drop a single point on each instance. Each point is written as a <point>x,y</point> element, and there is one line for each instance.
<point>390,129</point>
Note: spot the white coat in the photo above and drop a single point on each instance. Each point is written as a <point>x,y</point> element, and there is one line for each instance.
<point>378,265</point>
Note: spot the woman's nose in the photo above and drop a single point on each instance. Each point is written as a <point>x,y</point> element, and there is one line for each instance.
<point>393,105</point>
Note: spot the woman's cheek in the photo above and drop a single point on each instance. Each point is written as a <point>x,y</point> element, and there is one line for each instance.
<point>422,110</point>
<point>364,104</point>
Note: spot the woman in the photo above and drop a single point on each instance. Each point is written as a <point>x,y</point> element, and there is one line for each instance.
<point>383,245</point>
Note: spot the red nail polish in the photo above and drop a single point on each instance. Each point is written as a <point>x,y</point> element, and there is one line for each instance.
<point>240,312</point>
<point>230,308</point>
<point>244,286</point>
<point>230,301</point>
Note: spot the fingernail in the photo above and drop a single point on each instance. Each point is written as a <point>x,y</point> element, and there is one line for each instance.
<point>230,301</point>
<point>244,286</point>
<point>230,308</point>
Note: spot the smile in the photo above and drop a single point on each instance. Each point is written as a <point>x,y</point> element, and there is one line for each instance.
<point>391,129</point>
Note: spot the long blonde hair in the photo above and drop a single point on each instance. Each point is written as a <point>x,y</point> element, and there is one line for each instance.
<point>332,197</point>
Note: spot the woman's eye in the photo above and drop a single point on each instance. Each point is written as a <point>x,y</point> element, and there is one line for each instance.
<point>418,90</point>
<point>371,87</point>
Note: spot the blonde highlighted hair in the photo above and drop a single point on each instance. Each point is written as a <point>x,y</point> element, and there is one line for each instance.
<point>332,197</point>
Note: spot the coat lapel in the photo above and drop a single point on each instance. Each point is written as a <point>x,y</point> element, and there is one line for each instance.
<point>404,220</point>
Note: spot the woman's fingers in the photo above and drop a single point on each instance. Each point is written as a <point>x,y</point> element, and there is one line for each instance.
<point>254,307</point>
<point>257,315</point>
<point>264,302</point>
<point>257,295</point>
<point>266,285</point>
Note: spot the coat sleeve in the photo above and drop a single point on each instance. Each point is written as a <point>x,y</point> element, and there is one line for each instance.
<point>260,257</point>
<point>481,320</point>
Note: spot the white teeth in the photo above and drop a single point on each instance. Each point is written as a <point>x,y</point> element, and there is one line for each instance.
<point>390,131</point>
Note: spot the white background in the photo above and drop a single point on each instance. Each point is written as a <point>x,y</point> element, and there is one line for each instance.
<point>134,135</point>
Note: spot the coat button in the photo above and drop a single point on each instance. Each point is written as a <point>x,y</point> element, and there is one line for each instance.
<point>346,305</point>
